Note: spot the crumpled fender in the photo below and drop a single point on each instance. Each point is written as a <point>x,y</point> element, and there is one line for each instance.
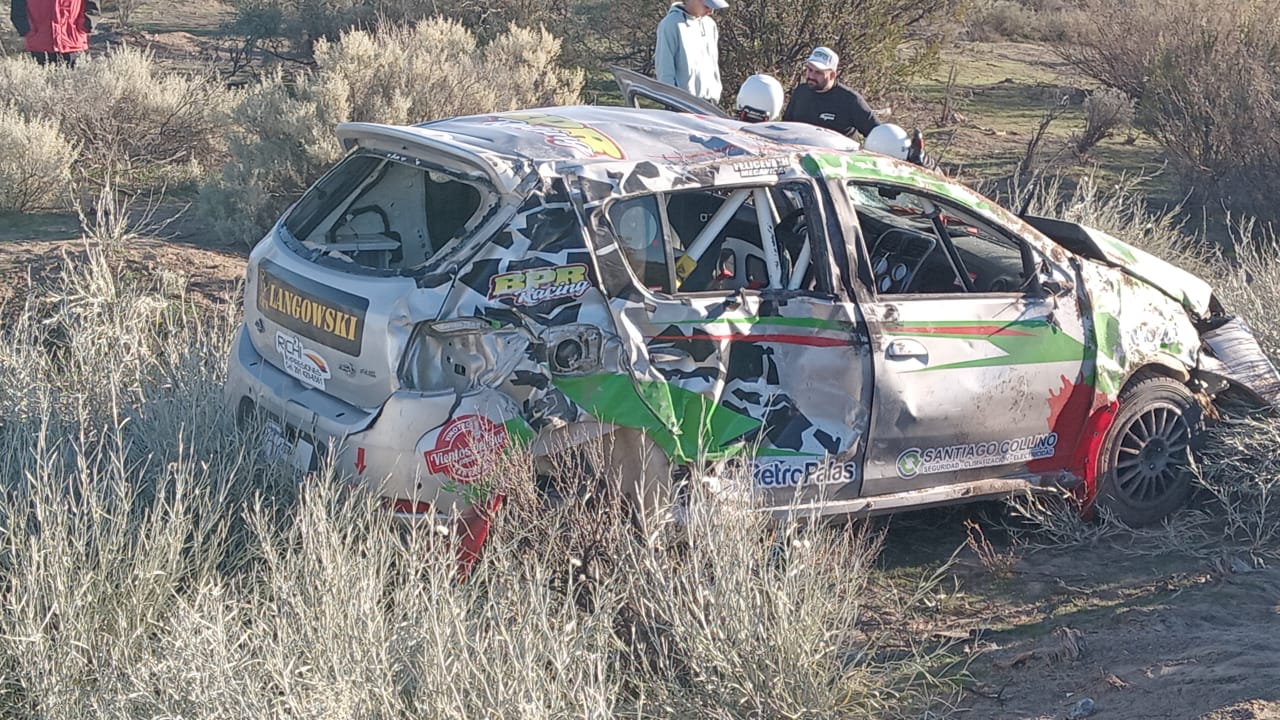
<point>1190,291</point>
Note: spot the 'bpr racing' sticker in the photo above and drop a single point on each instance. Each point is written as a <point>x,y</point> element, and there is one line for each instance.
<point>303,364</point>
<point>466,448</point>
<point>537,285</point>
<point>917,461</point>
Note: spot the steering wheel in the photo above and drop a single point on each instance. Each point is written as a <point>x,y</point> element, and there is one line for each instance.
<point>897,256</point>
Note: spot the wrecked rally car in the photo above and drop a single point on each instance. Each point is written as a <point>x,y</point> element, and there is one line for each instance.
<point>762,304</point>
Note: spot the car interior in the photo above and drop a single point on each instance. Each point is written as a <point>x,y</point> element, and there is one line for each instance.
<point>735,258</point>
<point>387,215</point>
<point>917,245</point>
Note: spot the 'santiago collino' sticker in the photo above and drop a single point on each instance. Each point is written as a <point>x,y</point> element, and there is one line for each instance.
<point>923,461</point>
<point>306,365</point>
<point>537,285</point>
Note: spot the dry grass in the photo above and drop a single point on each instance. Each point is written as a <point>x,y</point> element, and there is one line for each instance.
<point>155,568</point>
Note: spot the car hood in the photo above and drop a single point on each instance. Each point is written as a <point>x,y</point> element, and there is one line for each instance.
<point>1189,291</point>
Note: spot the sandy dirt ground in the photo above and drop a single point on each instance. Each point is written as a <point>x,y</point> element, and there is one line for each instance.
<point>1140,634</point>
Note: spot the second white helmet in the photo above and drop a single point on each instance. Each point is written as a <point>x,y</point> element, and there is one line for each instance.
<point>888,139</point>
<point>759,99</point>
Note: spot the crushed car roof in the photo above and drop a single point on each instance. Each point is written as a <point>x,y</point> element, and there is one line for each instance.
<point>587,133</point>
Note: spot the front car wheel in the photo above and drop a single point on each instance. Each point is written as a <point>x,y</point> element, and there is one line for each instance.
<point>1147,467</point>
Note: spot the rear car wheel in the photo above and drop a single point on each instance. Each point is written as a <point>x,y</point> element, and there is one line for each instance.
<point>1147,466</point>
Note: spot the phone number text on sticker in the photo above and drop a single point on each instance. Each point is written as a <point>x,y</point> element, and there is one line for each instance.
<point>306,365</point>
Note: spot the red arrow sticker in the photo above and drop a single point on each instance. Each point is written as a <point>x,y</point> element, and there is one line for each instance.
<point>360,466</point>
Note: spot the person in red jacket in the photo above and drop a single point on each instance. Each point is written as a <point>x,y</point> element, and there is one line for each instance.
<point>54,30</point>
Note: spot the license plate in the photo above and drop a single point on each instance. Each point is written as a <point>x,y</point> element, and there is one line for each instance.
<point>298,453</point>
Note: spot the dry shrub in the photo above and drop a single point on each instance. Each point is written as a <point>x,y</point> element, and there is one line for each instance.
<point>1105,111</point>
<point>1238,465</point>
<point>1207,82</point>
<point>1002,20</point>
<point>283,136</point>
<point>1025,20</point>
<point>35,163</point>
<point>126,115</point>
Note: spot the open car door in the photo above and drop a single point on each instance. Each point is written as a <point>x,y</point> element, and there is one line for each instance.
<point>636,87</point>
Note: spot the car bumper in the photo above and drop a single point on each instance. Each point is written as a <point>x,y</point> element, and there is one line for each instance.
<point>391,449</point>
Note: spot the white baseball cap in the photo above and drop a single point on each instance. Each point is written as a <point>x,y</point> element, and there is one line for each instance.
<point>716,4</point>
<point>823,58</point>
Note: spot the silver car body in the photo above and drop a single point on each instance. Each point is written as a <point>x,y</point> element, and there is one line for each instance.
<point>852,333</point>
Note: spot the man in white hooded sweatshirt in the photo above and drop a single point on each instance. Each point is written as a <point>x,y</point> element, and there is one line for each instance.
<point>688,50</point>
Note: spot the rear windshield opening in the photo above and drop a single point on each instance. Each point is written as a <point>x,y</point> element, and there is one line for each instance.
<point>383,214</point>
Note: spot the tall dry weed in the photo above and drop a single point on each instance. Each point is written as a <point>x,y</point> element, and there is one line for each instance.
<point>1237,509</point>
<point>156,567</point>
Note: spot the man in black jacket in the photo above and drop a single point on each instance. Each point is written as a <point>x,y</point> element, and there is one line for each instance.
<point>822,101</point>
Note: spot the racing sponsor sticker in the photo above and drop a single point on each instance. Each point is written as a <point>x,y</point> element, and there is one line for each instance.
<point>313,310</point>
<point>583,140</point>
<point>757,167</point>
<point>466,447</point>
<point>305,365</point>
<point>794,472</point>
<point>538,285</point>
<point>922,461</point>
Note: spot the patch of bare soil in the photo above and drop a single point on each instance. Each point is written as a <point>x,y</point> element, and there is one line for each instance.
<point>1139,636</point>
<point>211,277</point>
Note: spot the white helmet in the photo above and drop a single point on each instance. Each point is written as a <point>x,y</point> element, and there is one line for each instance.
<point>888,139</point>
<point>759,99</point>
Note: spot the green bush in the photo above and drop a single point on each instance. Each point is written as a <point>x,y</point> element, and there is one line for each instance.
<point>871,37</point>
<point>885,43</point>
<point>283,130</point>
<point>35,163</point>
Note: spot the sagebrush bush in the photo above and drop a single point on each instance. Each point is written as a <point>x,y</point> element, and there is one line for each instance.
<point>1106,111</point>
<point>128,117</point>
<point>1207,84</point>
<point>35,163</point>
<point>283,134</point>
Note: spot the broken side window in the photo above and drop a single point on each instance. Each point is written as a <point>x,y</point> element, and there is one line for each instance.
<point>384,214</point>
<point>716,240</point>
<point>919,244</point>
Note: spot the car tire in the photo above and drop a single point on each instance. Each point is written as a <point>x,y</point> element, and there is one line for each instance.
<point>1147,464</point>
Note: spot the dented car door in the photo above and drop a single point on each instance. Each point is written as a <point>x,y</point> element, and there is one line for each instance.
<point>977,346</point>
<point>739,343</point>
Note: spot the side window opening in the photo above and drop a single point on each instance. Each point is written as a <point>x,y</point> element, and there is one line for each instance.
<point>920,246</point>
<point>719,240</point>
<point>382,214</point>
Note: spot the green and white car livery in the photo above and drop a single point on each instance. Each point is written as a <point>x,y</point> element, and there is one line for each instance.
<point>849,333</point>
